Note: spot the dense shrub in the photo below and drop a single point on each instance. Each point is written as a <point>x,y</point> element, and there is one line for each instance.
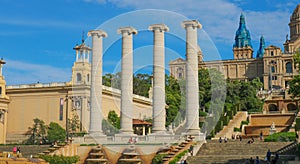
<point>281,137</point>
<point>158,159</point>
<point>225,120</point>
<point>236,129</point>
<point>202,114</point>
<point>178,157</point>
<point>60,159</point>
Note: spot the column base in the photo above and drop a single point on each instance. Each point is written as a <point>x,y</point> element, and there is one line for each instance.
<point>124,137</point>
<point>198,136</point>
<point>97,137</point>
<point>162,136</point>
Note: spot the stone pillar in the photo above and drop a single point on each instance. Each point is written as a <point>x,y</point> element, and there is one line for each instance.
<point>159,112</point>
<point>126,79</point>
<point>96,84</point>
<point>192,86</point>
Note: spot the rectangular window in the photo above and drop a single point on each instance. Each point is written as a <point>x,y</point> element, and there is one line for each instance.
<point>274,77</point>
<point>61,109</point>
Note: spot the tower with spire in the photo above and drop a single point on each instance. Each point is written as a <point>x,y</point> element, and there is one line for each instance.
<point>261,50</point>
<point>242,48</point>
<point>82,68</point>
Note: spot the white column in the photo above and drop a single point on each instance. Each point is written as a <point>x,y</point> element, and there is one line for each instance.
<point>126,79</point>
<point>192,86</point>
<point>159,112</point>
<point>96,83</point>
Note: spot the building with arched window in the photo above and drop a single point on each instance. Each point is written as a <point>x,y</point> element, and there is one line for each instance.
<point>270,61</point>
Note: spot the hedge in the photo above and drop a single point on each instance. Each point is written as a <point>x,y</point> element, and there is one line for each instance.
<point>158,159</point>
<point>55,159</point>
<point>178,157</point>
<point>281,137</point>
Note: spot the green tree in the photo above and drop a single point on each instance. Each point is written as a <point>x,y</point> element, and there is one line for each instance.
<point>173,99</point>
<point>112,125</point>
<point>74,123</point>
<point>294,84</point>
<point>38,131</point>
<point>56,132</point>
<point>114,119</point>
<point>106,79</point>
<point>141,84</point>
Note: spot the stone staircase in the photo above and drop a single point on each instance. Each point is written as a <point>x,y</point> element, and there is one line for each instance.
<point>235,122</point>
<point>96,155</point>
<point>130,155</point>
<point>234,151</point>
<point>171,152</point>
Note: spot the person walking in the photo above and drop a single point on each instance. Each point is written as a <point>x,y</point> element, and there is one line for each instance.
<point>257,160</point>
<point>261,135</point>
<point>269,155</point>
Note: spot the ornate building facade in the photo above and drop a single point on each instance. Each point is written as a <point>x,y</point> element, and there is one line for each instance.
<point>274,67</point>
<point>57,102</point>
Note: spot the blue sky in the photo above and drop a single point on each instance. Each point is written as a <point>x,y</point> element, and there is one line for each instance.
<point>37,36</point>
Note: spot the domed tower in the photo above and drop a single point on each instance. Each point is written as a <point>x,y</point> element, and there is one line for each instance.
<point>295,24</point>
<point>242,48</point>
<point>293,45</point>
<point>82,68</point>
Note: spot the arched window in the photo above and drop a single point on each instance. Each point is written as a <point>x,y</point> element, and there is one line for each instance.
<point>272,107</point>
<point>288,67</point>
<point>180,72</point>
<point>78,77</point>
<point>291,106</point>
<point>0,91</point>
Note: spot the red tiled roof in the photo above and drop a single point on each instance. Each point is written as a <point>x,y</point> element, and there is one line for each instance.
<point>140,122</point>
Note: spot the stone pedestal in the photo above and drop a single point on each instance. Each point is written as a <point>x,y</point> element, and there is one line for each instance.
<point>124,137</point>
<point>91,138</point>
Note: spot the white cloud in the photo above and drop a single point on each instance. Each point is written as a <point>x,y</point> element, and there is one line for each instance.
<point>21,72</point>
<point>220,18</point>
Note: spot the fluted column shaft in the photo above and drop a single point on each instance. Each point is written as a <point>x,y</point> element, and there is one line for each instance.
<point>159,112</point>
<point>96,115</point>
<point>192,86</point>
<point>126,79</point>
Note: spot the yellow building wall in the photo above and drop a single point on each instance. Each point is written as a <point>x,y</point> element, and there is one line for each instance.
<point>44,103</point>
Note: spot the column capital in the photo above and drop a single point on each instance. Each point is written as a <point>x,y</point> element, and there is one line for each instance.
<point>160,27</point>
<point>191,23</point>
<point>98,33</point>
<point>128,30</point>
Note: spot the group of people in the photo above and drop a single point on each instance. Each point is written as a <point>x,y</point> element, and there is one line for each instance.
<point>133,140</point>
<point>253,161</point>
<point>237,137</point>
<point>17,149</point>
<point>225,140</point>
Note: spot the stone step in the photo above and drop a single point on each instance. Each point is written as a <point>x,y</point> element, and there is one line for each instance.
<point>96,154</point>
<point>96,160</point>
<point>130,160</point>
